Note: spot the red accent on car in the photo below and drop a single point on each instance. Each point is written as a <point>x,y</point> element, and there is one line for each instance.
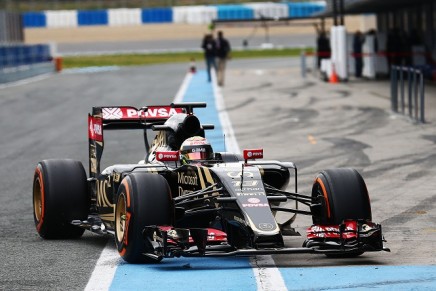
<point>95,128</point>
<point>132,113</point>
<point>253,154</point>
<point>333,231</point>
<point>213,235</point>
<point>171,156</point>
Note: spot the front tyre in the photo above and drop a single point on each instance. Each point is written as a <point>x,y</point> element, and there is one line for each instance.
<point>143,199</point>
<point>60,196</point>
<point>344,196</point>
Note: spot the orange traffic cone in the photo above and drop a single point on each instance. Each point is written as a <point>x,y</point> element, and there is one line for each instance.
<point>192,67</point>
<point>333,77</point>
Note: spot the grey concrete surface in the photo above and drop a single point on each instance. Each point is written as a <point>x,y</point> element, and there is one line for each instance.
<point>320,125</point>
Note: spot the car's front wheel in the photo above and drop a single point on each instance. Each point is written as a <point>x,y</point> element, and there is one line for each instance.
<point>344,196</point>
<point>143,199</point>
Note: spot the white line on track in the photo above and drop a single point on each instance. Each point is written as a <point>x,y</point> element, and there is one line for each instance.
<point>105,268</point>
<point>268,276</point>
<point>26,81</point>
<point>182,90</point>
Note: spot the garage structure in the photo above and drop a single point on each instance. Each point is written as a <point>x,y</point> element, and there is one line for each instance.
<point>414,20</point>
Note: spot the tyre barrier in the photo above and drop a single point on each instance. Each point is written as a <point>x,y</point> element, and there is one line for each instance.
<point>231,12</point>
<point>203,14</point>
<point>21,61</point>
<point>97,17</point>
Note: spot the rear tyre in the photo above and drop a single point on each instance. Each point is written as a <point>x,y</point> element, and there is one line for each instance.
<point>60,196</point>
<point>345,196</point>
<point>143,199</point>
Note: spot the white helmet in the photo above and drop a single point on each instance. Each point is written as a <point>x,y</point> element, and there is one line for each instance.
<point>196,148</point>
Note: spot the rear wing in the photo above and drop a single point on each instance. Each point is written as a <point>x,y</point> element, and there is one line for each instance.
<point>128,117</point>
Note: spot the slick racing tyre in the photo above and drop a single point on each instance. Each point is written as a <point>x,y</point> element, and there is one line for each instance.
<point>60,196</point>
<point>345,196</point>
<point>143,199</point>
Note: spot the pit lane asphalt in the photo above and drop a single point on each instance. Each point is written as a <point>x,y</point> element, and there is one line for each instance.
<point>48,119</point>
<point>314,124</point>
<point>320,125</point>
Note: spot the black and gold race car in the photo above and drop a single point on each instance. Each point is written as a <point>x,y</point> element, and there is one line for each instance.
<point>183,200</point>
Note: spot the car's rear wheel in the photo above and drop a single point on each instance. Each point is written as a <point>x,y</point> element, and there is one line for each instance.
<point>143,199</point>
<point>344,196</point>
<point>60,196</point>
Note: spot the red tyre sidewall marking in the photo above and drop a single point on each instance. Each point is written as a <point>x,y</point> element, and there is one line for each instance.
<point>41,186</point>
<point>324,193</point>
<point>125,241</point>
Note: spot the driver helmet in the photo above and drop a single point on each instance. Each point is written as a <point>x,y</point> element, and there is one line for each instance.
<point>196,148</point>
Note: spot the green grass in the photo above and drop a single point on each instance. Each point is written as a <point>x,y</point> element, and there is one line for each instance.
<point>161,58</point>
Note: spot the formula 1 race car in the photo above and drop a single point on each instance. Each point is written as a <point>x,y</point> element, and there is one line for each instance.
<point>185,200</point>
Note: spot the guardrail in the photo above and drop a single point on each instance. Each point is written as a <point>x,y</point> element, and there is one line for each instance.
<point>414,80</point>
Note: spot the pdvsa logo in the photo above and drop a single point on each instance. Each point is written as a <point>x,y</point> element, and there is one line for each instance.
<point>97,129</point>
<point>112,113</point>
<point>162,156</point>
<point>253,154</point>
<point>167,156</point>
<point>160,112</point>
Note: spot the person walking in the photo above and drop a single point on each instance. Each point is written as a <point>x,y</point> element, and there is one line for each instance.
<point>209,47</point>
<point>358,41</point>
<point>323,50</point>
<point>223,54</point>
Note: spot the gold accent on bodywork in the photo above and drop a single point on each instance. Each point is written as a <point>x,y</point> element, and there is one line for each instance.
<point>102,199</point>
<point>202,183</point>
<point>108,217</point>
<point>208,176</point>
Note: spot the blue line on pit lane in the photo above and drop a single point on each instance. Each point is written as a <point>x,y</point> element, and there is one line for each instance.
<point>187,274</point>
<point>191,273</point>
<point>200,90</point>
<point>361,278</point>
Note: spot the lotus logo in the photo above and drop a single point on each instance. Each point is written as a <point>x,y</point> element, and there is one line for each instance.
<point>266,226</point>
<point>253,200</point>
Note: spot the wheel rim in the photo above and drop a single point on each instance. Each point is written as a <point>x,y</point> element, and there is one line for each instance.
<point>37,199</point>
<point>120,217</point>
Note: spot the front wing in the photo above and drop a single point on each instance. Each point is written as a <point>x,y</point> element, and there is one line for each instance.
<point>351,237</point>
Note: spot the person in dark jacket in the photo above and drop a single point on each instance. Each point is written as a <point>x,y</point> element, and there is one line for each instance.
<point>358,41</point>
<point>323,49</point>
<point>209,48</point>
<point>223,54</point>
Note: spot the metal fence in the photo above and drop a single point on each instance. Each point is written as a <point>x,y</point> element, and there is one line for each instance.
<point>38,5</point>
<point>412,80</point>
